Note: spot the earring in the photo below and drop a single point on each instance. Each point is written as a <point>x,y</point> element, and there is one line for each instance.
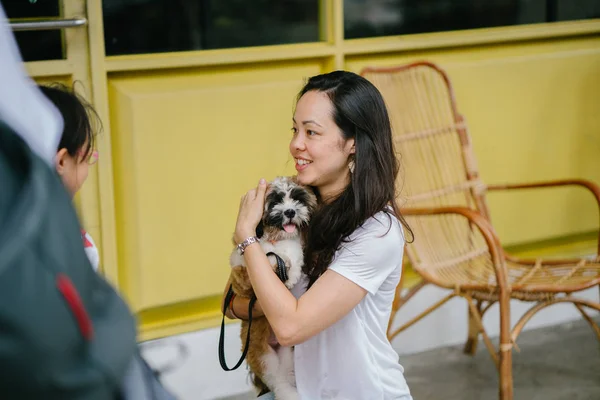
<point>351,166</point>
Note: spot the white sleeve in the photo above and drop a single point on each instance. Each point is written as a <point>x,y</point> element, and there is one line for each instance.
<point>23,106</point>
<point>374,252</point>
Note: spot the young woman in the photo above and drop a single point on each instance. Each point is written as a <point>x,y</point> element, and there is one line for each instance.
<point>338,315</point>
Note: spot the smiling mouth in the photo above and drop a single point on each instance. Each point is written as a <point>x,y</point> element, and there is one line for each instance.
<point>301,161</point>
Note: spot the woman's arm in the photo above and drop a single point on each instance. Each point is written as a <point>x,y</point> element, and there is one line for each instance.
<point>294,321</point>
<point>240,306</point>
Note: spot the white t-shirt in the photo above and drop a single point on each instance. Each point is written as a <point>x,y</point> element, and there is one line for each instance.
<point>353,359</point>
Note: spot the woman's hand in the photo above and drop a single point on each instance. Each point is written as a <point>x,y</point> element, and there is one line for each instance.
<point>250,212</point>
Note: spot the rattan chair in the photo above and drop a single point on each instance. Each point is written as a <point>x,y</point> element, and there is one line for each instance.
<point>455,245</point>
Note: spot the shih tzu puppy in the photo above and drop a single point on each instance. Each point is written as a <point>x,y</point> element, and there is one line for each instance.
<point>288,207</point>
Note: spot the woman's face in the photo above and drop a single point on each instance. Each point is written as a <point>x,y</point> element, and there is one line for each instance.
<point>74,170</point>
<point>318,146</point>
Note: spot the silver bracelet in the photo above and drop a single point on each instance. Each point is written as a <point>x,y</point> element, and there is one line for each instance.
<point>242,246</point>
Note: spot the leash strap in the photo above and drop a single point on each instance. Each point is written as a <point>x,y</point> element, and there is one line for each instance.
<point>281,271</point>
<point>222,335</point>
<point>282,274</point>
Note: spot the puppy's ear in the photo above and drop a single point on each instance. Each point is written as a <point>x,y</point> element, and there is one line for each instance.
<point>260,231</point>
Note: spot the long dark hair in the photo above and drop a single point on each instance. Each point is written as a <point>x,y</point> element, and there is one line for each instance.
<point>360,113</point>
<point>81,122</point>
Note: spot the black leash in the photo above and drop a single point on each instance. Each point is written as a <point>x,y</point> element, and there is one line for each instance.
<point>222,335</point>
<point>281,271</point>
<point>282,274</point>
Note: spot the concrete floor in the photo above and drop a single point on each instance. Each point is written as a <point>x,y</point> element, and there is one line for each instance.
<point>556,363</point>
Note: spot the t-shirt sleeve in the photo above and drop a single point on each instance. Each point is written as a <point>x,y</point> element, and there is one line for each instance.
<point>374,251</point>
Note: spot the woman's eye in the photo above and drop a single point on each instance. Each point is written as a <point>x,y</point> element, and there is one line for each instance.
<point>294,131</point>
<point>311,133</point>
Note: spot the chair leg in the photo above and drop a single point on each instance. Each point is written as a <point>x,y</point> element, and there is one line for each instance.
<point>476,315</point>
<point>505,351</point>
<point>473,334</point>
<point>425,313</point>
<point>589,319</point>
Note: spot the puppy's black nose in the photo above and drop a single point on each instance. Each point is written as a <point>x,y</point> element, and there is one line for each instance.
<point>289,213</point>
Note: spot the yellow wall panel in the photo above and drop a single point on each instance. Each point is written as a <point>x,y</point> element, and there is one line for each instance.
<point>532,109</point>
<point>186,146</point>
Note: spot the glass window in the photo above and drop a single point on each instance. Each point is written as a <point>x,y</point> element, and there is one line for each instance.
<point>154,26</point>
<point>568,10</point>
<point>36,45</point>
<point>370,18</point>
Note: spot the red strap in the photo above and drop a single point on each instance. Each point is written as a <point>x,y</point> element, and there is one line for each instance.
<point>66,288</point>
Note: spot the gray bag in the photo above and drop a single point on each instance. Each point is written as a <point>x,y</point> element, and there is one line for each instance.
<point>141,382</point>
<point>65,333</point>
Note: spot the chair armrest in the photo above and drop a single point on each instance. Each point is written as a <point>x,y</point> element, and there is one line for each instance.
<point>483,225</point>
<point>591,186</point>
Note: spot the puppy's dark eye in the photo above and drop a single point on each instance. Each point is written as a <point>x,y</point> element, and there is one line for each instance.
<point>274,198</point>
<point>299,195</point>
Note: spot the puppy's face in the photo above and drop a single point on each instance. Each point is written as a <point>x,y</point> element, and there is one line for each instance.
<point>288,207</point>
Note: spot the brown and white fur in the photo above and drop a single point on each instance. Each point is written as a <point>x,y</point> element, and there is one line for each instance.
<point>287,211</point>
